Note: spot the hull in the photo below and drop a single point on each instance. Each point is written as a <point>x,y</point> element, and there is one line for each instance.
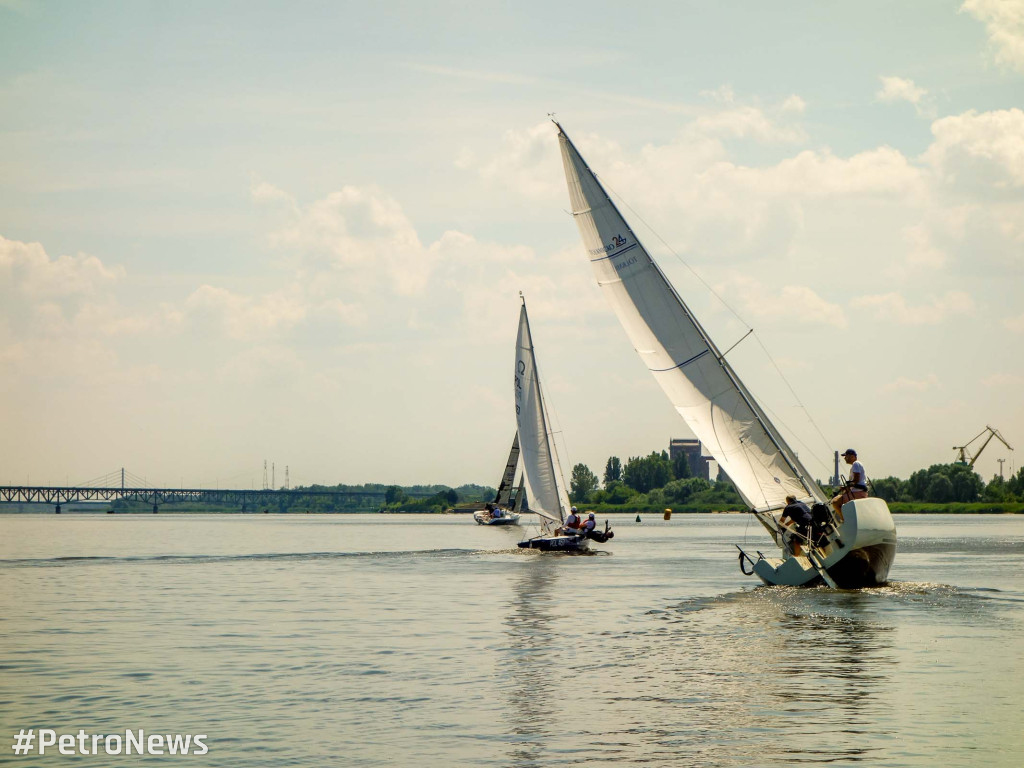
<point>509,518</point>
<point>868,534</point>
<point>556,544</point>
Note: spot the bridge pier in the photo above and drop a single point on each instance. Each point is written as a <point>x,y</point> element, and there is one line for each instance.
<point>57,511</point>
<point>154,509</point>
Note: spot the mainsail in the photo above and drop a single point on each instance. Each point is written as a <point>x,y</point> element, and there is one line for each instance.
<point>537,450</point>
<point>508,477</point>
<point>685,362</point>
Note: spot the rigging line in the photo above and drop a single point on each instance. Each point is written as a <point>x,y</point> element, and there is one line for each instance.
<point>724,303</point>
<point>792,391</point>
<point>778,420</point>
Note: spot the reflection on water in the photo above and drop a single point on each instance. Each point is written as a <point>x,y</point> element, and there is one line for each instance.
<point>532,651</point>
<point>367,642</point>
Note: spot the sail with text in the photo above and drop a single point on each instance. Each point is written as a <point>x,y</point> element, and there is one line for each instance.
<point>536,445</point>
<point>675,348</point>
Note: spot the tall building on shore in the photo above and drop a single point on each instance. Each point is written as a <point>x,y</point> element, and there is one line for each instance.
<point>700,465</point>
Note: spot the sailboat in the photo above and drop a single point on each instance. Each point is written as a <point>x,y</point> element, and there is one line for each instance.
<point>851,550</point>
<point>539,455</point>
<point>503,511</point>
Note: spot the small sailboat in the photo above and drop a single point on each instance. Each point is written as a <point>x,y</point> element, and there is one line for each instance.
<point>850,550</point>
<point>503,510</point>
<point>539,455</point>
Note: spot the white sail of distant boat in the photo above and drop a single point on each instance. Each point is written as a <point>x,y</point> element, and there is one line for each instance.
<point>501,510</point>
<point>541,466</point>
<point>722,413</point>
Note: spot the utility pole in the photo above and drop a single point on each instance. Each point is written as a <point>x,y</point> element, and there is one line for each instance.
<point>273,475</point>
<point>287,482</point>
<point>264,474</point>
<point>1000,467</point>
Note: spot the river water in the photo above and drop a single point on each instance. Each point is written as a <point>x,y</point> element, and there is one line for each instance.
<point>414,640</point>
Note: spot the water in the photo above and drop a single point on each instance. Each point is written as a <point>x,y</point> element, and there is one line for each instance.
<point>373,640</point>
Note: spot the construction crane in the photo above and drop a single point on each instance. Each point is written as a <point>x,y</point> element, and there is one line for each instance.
<point>965,455</point>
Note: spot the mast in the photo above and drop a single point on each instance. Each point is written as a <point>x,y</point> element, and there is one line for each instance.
<point>555,470</point>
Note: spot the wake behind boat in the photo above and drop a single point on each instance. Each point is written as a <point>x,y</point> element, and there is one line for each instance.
<point>539,455</point>
<point>850,550</point>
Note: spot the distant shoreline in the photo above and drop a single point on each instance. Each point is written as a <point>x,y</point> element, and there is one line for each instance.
<point>897,508</point>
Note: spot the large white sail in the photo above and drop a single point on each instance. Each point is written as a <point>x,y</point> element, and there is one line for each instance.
<point>683,359</point>
<point>536,446</point>
<point>508,477</point>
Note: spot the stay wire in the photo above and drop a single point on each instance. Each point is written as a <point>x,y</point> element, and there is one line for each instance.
<point>728,306</point>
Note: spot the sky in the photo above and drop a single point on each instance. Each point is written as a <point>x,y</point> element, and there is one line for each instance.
<point>238,232</point>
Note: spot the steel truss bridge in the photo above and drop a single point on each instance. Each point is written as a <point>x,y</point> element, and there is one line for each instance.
<point>247,500</point>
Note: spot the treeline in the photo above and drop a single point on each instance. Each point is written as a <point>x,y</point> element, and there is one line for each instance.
<point>651,483</point>
<point>654,482</point>
<point>951,483</point>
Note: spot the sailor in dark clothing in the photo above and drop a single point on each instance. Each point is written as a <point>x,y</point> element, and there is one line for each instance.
<point>798,515</point>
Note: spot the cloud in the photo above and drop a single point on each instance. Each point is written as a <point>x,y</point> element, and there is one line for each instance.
<point>360,234</point>
<point>27,269</point>
<point>899,89</point>
<point>892,306</point>
<point>983,150</point>
<point>903,384</point>
<point>1015,324</point>
<point>1004,23</point>
<point>791,304</point>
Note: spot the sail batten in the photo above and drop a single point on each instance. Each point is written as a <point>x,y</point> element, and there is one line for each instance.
<point>683,359</point>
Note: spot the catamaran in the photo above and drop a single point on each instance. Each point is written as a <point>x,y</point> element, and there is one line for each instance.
<point>503,510</point>
<point>850,550</point>
<point>539,455</point>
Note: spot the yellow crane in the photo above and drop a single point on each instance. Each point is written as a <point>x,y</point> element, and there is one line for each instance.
<point>965,456</point>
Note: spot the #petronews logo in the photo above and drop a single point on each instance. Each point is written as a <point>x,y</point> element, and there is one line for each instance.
<point>132,743</point>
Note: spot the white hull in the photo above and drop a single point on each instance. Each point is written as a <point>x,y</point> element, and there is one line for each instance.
<point>484,518</point>
<point>868,535</point>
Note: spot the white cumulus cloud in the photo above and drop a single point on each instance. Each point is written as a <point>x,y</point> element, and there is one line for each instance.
<point>893,306</point>
<point>1004,23</point>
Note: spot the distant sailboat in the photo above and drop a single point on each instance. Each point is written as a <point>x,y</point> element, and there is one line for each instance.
<point>541,465</point>
<point>503,511</point>
<point>854,551</point>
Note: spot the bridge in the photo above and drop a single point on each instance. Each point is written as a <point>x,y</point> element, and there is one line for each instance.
<point>247,500</point>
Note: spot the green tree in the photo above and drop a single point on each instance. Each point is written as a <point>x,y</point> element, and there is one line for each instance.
<point>940,489</point>
<point>583,483</point>
<point>681,466</point>
<point>612,470</point>
<point>645,474</point>
<point>617,492</point>
<point>681,491</point>
<point>888,488</point>
<point>996,490</point>
<point>394,494</point>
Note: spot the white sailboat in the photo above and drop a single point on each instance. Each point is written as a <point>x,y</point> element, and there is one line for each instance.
<point>539,455</point>
<point>853,551</point>
<point>503,511</point>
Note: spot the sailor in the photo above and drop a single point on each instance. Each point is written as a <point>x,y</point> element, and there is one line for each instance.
<point>799,516</point>
<point>589,524</point>
<point>856,487</point>
<point>498,512</point>
<point>573,520</point>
